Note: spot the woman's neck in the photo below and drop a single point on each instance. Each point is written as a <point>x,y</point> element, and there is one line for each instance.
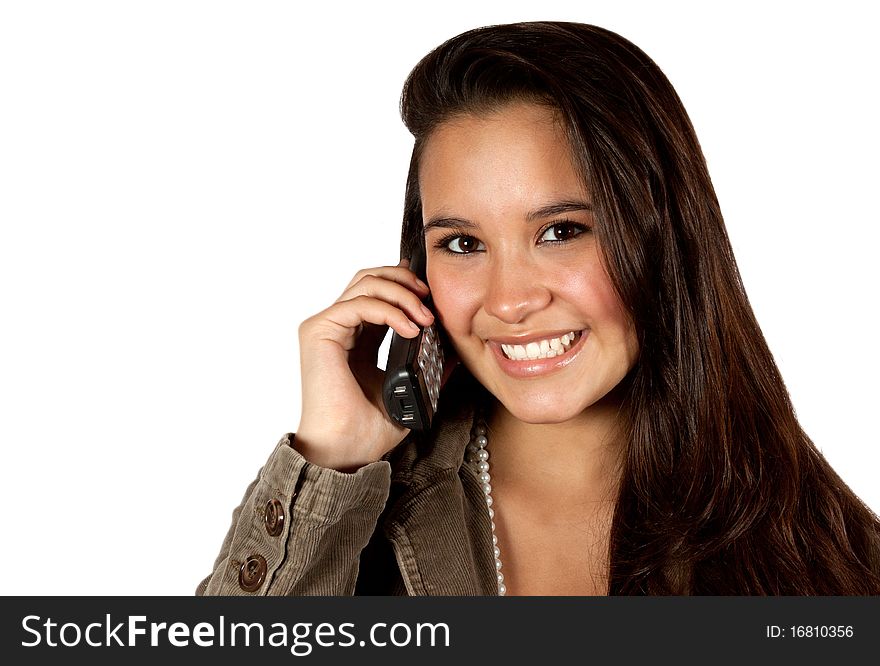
<point>572,462</point>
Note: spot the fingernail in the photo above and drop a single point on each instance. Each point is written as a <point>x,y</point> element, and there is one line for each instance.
<point>404,262</point>
<point>412,325</point>
<point>422,285</point>
<point>427,312</point>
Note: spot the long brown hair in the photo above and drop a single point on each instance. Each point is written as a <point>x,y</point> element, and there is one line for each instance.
<point>722,491</point>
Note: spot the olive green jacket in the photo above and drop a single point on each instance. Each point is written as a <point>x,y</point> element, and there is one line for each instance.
<point>413,523</point>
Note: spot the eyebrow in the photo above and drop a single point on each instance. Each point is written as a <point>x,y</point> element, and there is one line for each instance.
<point>442,221</point>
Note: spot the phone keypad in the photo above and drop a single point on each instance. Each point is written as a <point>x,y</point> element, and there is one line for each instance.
<point>431,362</point>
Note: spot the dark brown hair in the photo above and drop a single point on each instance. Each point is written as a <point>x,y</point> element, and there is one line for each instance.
<point>722,491</point>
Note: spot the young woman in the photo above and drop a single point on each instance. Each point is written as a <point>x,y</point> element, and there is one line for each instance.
<point>615,424</point>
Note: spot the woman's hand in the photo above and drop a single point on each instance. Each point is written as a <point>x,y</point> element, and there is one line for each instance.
<point>343,424</point>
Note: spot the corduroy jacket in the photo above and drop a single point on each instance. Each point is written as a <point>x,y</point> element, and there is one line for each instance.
<point>413,523</point>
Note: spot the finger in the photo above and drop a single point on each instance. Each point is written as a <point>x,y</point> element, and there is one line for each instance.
<point>391,292</point>
<point>400,274</point>
<point>342,322</point>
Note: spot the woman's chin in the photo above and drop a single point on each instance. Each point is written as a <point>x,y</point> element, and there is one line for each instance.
<point>537,412</point>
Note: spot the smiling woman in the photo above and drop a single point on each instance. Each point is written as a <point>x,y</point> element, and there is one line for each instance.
<point>609,392</point>
<point>516,267</point>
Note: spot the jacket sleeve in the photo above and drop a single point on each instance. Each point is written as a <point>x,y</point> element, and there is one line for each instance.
<point>299,529</point>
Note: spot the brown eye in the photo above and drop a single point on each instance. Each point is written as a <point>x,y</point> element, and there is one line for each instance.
<point>463,244</point>
<point>561,232</point>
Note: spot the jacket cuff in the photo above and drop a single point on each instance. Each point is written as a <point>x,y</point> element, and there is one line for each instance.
<point>298,519</point>
<point>321,496</point>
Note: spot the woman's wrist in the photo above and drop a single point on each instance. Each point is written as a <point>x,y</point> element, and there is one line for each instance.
<point>329,455</point>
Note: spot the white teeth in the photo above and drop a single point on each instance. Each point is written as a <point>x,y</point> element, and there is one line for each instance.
<point>548,348</point>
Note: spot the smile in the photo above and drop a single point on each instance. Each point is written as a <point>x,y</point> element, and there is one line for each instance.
<point>539,356</point>
<point>538,349</point>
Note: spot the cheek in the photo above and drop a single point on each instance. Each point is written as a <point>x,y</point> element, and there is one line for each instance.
<point>592,290</point>
<point>456,297</point>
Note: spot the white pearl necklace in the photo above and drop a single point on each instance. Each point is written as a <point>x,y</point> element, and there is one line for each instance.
<point>478,457</point>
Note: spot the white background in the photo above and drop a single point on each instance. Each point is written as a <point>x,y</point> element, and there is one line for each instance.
<point>182,183</point>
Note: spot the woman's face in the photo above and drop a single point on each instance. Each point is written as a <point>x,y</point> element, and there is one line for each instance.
<point>514,267</point>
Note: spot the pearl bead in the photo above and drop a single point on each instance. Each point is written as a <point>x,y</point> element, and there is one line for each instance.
<point>478,456</point>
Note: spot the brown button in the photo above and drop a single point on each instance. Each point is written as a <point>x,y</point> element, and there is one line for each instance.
<point>274,517</point>
<point>252,573</point>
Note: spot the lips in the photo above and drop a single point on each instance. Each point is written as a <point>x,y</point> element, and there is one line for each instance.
<point>542,348</point>
<point>535,361</point>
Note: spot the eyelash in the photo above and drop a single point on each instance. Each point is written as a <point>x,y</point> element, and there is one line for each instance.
<point>442,244</point>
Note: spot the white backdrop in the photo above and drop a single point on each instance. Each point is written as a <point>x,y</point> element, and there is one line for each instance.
<point>181,183</point>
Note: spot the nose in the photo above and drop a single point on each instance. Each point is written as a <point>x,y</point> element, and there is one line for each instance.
<point>513,291</point>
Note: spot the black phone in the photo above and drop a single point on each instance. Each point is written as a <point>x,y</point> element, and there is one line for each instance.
<point>414,369</point>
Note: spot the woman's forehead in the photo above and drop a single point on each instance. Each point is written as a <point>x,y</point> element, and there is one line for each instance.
<point>513,160</point>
